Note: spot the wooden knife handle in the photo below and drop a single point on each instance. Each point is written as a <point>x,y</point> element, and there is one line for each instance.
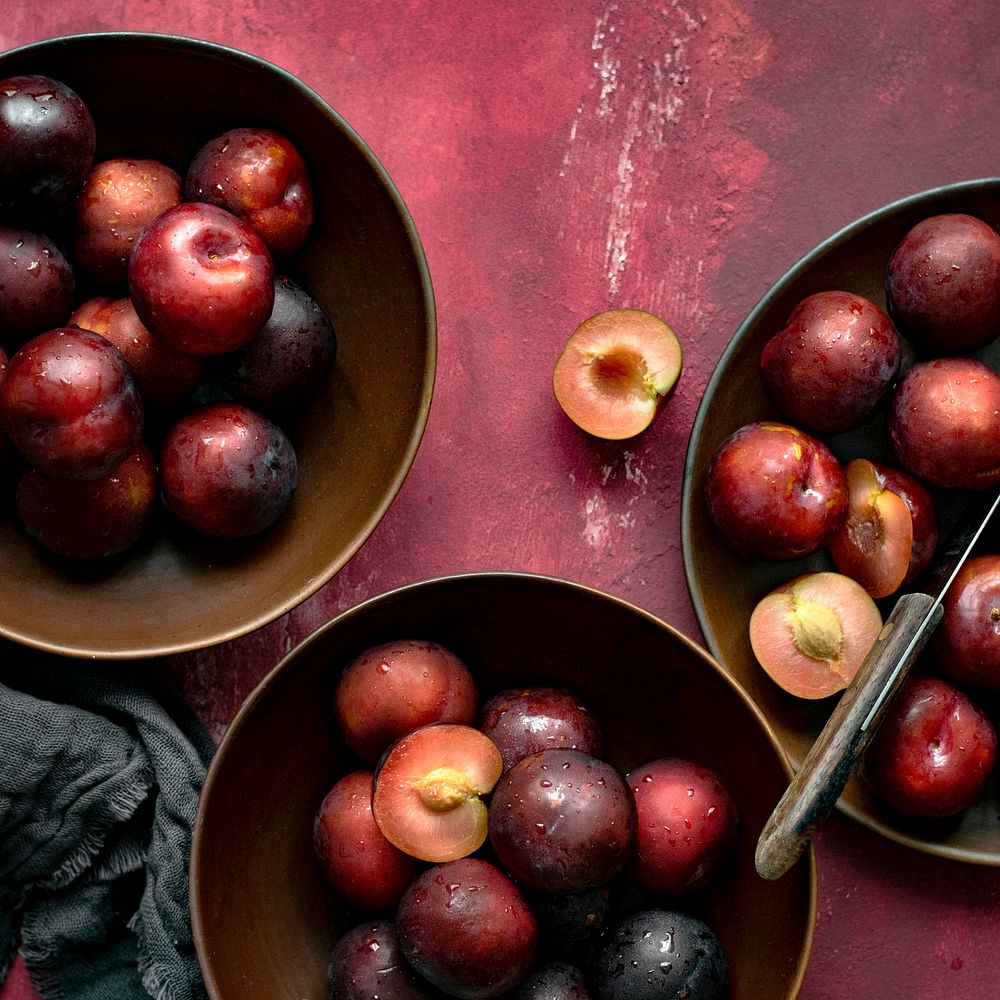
<point>827,767</point>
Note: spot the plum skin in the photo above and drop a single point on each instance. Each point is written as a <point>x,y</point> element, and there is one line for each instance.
<point>47,145</point>
<point>945,423</point>
<point>943,283</point>
<point>836,358</point>
<point>686,829</point>
<point>37,285</point>
<point>393,688</point>
<point>775,492</point>
<point>562,821</point>
<point>522,721</point>
<point>70,405</point>
<point>366,871</point>
<point>967,641</point>
<point>367,962</point>
<point>933,751</point>
<point>466,927</point>
<point>227,471</point>
<point>653,954</point>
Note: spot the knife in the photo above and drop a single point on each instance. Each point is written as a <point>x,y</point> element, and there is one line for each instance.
<point>828,765</point>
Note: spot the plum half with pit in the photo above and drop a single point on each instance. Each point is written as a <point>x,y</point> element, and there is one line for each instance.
<point>466,927</point>
<point>285,364</point>
<point>393,688</point>
<point>120,197</point>
<point>943,283</point>
<point>365,870</point>
<point>37,285</point>
<point>967,642</point>
<point>686,828</point>
<point>833,362</point>
<point>523,721</point>
<point>90,518</point>
<point>165,377</point>
<point>47,145</point>
<point>429,791</point>
<point>367,962</point>
<point>201,279</point>
<point>812,633</point>
<point>933,752</point>
<point>654,954</point>
<point>775,492</point>
<point>616,371</point>
<point>70,404</point>
<point>945,423</point>
<point>227,471</point>
<point>562,821</point>
<point>260,176</point>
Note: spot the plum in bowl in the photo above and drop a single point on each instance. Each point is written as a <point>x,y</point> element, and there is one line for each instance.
<point>160,98</point>
<point>726,586</point>
<point>264,917</point>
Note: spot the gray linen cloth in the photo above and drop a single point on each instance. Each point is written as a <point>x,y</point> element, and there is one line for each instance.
<point>101,765</point>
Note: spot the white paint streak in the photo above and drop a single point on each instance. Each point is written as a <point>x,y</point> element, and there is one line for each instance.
<point>597,520</point>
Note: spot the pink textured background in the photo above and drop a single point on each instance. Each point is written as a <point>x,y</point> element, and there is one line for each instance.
<point>564,157</point>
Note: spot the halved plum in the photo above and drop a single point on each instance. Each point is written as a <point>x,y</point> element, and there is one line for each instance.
<point>873,544</point>
<point>812,633</point>
<point>616,371</point>
<point>429,788</point>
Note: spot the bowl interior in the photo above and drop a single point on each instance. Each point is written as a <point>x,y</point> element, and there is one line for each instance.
<point>725,588</point>
<point>264,920</point>
<point>162,96</point>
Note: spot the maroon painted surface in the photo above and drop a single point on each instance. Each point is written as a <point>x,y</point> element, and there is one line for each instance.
<point>560,158</point>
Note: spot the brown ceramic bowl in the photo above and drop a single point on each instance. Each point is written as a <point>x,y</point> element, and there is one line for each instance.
<point>725,587</point>
<point>264,921</point>
<point>163,96</point>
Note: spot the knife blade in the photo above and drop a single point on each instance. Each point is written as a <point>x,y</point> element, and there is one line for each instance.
<point>831,760</point>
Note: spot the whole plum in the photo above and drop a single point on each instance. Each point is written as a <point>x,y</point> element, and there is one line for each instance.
<point>562,821</point>
<point>943,283</point>
<point>466,928</point>
<point>284,364</point>
<point>834,361</point>
<point>366,963</point>
<point>90,518</point>
<point>37,285</point>
<point>555,981</point>
<point>70,404</point>
<point>967,642</point>
<point>227,470</point>
<point>522,721</point>
<point>775,492</point>
<point>47,144</point>
<point>120,197</point>
<point>945,423</point>
<point>259,176</point>
<point>658,954</point>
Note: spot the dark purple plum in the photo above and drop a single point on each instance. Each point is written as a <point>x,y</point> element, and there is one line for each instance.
<point>562,821</point>
<point>227,470</point>
<point>37,285</point>
<point>364,869</point>
<point>523,721</point>
<point>284,365</point>
<point>570,925</point>
<point>366,962</point>
<point>70,404</point>
<point>555,981</point>
<point>47,143</point>
<point>658,954</point>
<point>467,929</point>
<point>943,283</point>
